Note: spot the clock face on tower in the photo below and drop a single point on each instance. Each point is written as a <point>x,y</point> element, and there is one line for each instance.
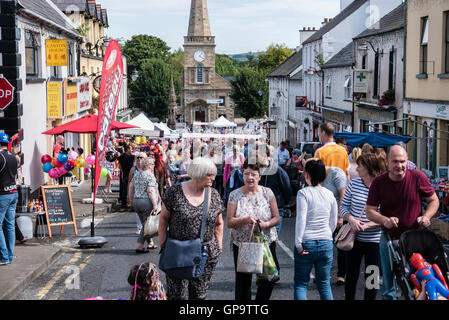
<point>199,56</point>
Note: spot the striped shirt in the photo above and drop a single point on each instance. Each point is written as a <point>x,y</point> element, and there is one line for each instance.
<point>354,202</point>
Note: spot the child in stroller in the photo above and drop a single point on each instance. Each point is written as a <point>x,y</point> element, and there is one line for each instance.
<point>423,242</point>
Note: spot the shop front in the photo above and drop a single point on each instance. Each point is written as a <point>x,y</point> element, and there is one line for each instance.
<point>429,124</point>
<point>341,119</point>
<point>370,118</point>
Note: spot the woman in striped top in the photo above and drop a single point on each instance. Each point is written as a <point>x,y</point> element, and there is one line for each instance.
<point>366,244</point>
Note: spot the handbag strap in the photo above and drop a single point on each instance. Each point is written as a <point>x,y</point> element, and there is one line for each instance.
<point>205,209</point>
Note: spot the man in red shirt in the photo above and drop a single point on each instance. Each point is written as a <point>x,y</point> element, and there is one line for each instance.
<point>398,195</point>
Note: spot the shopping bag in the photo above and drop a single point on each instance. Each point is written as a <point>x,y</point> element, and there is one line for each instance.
<point>250,257</point>
<point>151,225</point>
<point>270,270</point>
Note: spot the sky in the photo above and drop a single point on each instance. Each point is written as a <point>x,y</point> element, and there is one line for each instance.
<point>239,26</point>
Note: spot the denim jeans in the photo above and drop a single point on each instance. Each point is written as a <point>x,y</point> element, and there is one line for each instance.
<point>388,287</point>
<point>320,256</point>
<point>281,218</point>
<point>8,203</point>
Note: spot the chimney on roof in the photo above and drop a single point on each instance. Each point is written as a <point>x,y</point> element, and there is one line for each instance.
<point>304,34</point>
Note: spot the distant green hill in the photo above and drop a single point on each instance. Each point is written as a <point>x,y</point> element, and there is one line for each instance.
<point>243,57</point>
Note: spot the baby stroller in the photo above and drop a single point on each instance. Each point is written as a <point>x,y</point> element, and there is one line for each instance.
<point>424,242</point>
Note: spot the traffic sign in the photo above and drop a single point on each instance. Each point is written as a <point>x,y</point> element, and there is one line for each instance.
<point>6,93</point>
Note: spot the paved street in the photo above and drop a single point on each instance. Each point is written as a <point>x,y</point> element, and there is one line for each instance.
<point>103,272</point>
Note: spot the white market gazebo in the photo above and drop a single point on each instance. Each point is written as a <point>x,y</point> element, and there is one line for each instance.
<point>222,122</point>
<point>146,127</point>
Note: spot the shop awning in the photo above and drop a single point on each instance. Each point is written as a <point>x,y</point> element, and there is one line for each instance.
<point>376,139</point>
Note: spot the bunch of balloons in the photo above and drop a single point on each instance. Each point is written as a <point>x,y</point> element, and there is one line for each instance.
<point>66,164</point>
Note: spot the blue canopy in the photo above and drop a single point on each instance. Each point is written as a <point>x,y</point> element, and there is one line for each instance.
<point>376,139</point>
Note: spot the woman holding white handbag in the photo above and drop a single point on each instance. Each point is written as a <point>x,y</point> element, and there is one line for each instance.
<point>145,199</point>
<point>248,206</point>
<point>367,238</point>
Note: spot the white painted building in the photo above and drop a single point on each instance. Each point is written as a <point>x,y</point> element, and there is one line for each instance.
<point>354,17</point>
<point>39,21</point>
<point>285,88</point>
<point>379,55</point>
<point>338,78</point>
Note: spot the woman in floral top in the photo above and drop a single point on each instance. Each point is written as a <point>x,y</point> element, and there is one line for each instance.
<point>249,205</point>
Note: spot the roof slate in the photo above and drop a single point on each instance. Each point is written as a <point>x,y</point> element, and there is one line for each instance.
<point>68,6</point>
<point>350,9</point>
<point>343,58</point>
<point>390,22</point>
<point>288,66</point>
<point>47,11</point>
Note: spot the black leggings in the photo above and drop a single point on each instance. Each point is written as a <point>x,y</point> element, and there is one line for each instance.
<point>370,252</point>
<point>243,280</point>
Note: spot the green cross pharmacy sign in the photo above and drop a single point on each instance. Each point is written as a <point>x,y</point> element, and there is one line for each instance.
<point>361,81</point>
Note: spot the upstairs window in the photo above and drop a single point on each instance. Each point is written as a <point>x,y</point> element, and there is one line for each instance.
<point>223,101</point>
<point>392,70</point>
<point>446,42</point>
<point>347,87</point>
<point>364,57</point>
<point>424,42</point>
<point>376,75</point>
<point>31,54</point>
<point>329,87</point>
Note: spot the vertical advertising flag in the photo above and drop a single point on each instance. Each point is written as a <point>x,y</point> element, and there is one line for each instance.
<point>111,82</point>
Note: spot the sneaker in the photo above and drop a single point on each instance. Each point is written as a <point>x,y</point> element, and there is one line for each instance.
<point>4,263</point>
<point>123,209</point>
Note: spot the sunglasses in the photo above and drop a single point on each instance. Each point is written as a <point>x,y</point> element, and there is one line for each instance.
<point>139,157</point>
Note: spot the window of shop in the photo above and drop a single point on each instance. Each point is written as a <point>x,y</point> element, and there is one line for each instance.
<point>199,73</point>
<point>364,126</point>
<point>427,145</point>
<point>347,87</point>
<point>31,54</point>
<point>392,70</point>
<point>55,72</point>
<point>424,42</point>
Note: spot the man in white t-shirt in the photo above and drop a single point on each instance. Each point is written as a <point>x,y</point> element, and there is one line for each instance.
<point>283,154</point>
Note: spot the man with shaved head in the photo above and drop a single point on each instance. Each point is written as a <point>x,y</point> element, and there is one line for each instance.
<point>394,202</point>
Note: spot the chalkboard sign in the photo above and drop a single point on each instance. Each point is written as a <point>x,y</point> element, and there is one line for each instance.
<point>58,207</point>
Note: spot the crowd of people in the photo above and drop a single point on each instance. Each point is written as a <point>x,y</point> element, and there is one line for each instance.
<point>371,189</point>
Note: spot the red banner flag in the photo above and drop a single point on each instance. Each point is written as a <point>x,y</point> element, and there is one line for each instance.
<point>111,83</point>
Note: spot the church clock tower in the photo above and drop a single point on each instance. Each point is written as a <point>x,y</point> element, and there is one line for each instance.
<point>205,94</point>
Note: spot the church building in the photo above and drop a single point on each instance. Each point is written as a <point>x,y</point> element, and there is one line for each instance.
<point>205,94</point>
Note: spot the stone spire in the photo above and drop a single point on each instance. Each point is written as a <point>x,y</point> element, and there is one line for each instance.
<point>172,106</point>
<point>199,25</point>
